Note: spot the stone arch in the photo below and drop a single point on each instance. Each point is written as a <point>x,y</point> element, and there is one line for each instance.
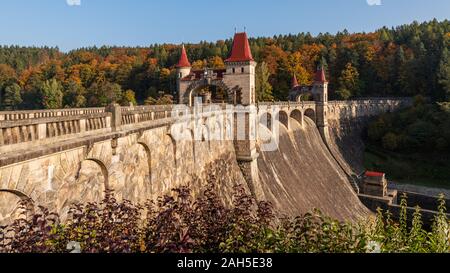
<point>174,144</point>
<point>347,112</point>
<point>206,135</point>
<point>166,164</point>
<point>87,184</point>
<point>10,205</point>
<point>218,132</point>
<point>131,174</point>
<point>283,118</point>
<point>297,115</point>
<point>149,158</point>
<point>265,119</point>
<point>228,130</point>
<point>103,168</point>
<point>310,113</point>
<point>360,110</point>
<point>231,93</point>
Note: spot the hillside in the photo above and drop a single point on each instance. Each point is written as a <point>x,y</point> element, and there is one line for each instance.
<point>403,61</point>
<point>413,145</point>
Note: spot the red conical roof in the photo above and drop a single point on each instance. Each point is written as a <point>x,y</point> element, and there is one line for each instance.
<point>294,82</point>
<point>320,75</point>
<point>184,61</point>
<point>241,49</point>
<point>374,174</point>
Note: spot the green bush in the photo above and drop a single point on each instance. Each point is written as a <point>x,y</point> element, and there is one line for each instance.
<point>183,224</point>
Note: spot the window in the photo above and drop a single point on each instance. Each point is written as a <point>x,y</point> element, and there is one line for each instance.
<point>242,70</point>
<point>234,70</point>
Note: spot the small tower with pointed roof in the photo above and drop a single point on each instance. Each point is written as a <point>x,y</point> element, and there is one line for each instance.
<point>320,86</point>
<point>294,83</point>
<point>320,92</point>
<point>183,68</point>
<point>240,69</point>
<point>240,74</point>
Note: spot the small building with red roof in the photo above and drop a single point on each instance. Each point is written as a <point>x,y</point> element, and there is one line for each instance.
<point>375,184</point>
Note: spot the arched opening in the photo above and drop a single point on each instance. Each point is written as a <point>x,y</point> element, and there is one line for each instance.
<point>174,146</point>
<point>310,113</point>
<point>88,185</point>
<point>206,136</point>
<point>149,159</point>
<point>265,119</point>
<point>228,130</point>
<point>218,132</point>
<point>210,94</point>
<point>284,119</point>
<point>297,116</point>
<point>166,164</point>
<point>13,204</point>
<point>131,180</point>
<point>103,169</point>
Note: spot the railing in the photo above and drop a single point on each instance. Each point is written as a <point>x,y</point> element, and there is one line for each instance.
<point>21,115</point>
<point>20,128</point>
<point>13,132</point>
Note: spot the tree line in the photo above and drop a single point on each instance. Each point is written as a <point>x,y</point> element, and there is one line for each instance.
<point>408,60</point>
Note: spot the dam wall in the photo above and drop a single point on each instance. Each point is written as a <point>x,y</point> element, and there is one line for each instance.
<point>302,174</point>
<point>139,161</point>
<point>56,158</point>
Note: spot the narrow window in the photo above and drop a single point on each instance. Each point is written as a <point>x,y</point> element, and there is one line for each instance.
<point>242,70</point>
<point>234,70</point>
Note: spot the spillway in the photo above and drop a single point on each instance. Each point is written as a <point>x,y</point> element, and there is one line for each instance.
<point>303,175</point>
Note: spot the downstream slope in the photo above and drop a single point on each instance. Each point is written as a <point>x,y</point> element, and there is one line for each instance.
<point>346,144</point>
<point>303,175</point>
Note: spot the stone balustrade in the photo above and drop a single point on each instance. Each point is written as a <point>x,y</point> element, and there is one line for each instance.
<point>21,129</point>
<point>32,114</point>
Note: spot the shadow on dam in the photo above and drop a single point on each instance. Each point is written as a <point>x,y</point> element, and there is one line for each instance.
<point>303,175</point>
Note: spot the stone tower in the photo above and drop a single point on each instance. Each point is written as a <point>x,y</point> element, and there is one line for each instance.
<point>183,68</point>
<point>320,93</point>
<point>240,73</point>
<point>240,69</point>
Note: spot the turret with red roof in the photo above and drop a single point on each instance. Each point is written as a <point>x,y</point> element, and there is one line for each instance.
<point>240,70</point>
<point>241,51</point>
<point>183,66</point>
<point>320,75</point>
<point>294,83</point>
<point>184,61</point>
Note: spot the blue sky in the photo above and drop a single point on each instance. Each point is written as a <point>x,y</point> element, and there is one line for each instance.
<point>144,22</point>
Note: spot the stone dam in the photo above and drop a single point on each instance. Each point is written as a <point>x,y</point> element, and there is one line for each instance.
<point>56,158</point>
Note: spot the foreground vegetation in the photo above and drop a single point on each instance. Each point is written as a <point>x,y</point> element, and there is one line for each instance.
<point>183,224</point>
<point>413,144</point>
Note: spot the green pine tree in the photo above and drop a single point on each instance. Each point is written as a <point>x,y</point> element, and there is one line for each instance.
<point>51,94</point>
<point>12,97</point>
<point>263,87</point>
<point>444,73</point>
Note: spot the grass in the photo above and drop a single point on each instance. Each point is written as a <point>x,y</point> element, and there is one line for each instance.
<point>414,169</point>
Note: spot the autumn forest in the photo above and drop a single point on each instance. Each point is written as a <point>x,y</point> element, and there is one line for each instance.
<point>407,60</point>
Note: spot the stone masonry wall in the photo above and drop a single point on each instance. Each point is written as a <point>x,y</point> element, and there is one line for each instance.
<point>138,164</point>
